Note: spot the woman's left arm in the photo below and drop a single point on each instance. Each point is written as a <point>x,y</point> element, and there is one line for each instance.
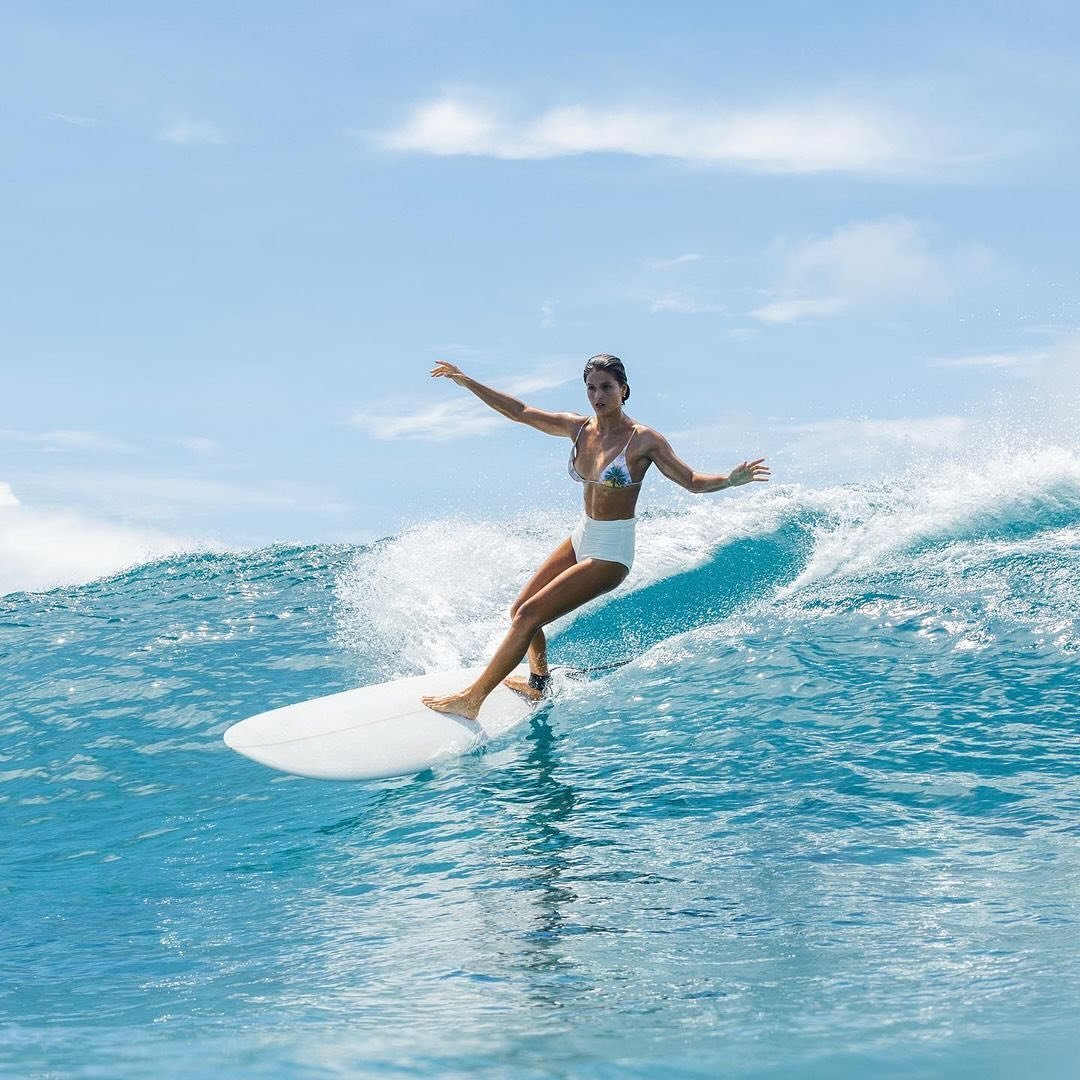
<point>675,469</point>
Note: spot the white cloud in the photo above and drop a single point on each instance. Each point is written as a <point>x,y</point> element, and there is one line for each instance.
<point>544,378</point>
<point>1019,360</point>
<point>77,121</point>
<point>783,311</point>
<point>456,418</point>
<point>169,492</point>
<point>836,450</point>
<point>1055,362</point>
<point>823,137</point>
<point>668,288</point>
<point>189,132</point>
<point>928,433</point>
<point>684,302</point>
<point>443,422</point>
<point>42,548</point>
<point>172,501</point>
<point>868,262</point>
<point>678,260</point>
<point>51,441</point>
<point>446,127</point>
<point>842,449</point>
<point>200,445</point>
<point>1055,384</point>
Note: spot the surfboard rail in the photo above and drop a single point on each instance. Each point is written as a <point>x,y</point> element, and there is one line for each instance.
<point>374,732</point>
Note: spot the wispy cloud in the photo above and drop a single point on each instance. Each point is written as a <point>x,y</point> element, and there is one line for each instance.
<point>928,433</point>
<point>1051,372</point>
<point>867,262</point>
<point>800,138</point>
<point>683,302</point>
<point>77,121</point>
<point>784,311</point>
<point>543,378</point>
<point>459,417</point>
<point>174,499</point>
<point>849,437</point>
<point>667,287</point>
<point>200,445</point>
<point>678,260</point>
<point>448,420</point>
<point>185,132</point>
<point>7,496</point>
<point>168,493</point>
<point>54,441</point>
<point>834,450</point>
<point>844,449</point>
<point>1018,360</point>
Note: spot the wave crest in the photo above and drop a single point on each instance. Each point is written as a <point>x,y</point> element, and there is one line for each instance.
<point>967,547</point>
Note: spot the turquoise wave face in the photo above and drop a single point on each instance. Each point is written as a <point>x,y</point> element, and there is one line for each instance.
<point>822,822</point>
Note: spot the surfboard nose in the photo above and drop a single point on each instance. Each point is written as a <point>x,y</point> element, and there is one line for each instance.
<point>374,731</point>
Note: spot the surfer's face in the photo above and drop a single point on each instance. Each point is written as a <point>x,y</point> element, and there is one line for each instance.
<point>605,392</point>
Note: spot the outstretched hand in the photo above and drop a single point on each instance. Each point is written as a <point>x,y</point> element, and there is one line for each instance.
<point>749,471</point>
<point>443,369</point>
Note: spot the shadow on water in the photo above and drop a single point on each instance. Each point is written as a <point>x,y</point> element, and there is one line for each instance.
<point>737,574</point>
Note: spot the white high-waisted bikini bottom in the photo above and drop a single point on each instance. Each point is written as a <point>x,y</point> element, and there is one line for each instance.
<point>609,540</point>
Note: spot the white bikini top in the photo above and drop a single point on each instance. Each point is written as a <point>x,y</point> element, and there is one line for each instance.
<point>617,473</point>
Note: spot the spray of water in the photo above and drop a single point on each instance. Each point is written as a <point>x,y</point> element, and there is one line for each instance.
<point>981,537</point>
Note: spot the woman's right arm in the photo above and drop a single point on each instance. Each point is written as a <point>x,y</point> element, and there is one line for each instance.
<point>548,422</point>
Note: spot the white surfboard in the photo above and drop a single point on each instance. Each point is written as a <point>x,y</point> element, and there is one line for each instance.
<point>375,731</point>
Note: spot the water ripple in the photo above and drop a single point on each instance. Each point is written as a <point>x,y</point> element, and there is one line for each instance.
<point>811,833</point>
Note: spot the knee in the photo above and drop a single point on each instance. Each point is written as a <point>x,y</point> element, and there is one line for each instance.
<point>526,616</point>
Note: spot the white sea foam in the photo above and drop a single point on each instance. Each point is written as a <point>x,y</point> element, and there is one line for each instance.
<point>867,526</point>
<point>437,595</point>
<point>42,548</point>
<point>970,550</point>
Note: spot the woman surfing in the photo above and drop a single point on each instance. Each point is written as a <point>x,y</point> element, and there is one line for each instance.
<point>609,458</point>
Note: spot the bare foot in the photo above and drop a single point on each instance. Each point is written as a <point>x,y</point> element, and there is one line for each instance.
<point>462,704</point>
<point>521,686</point>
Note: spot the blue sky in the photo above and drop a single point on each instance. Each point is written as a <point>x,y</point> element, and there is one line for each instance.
<point>237,236</point>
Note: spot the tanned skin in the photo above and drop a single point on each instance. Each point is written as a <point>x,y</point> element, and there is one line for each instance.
<point>563,584</point>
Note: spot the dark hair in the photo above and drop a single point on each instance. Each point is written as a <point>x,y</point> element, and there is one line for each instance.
<point>611,364</point>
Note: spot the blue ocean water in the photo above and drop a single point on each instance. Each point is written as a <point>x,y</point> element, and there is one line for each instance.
<point>823,823</point>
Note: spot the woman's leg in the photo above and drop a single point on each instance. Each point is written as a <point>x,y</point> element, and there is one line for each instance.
<point>562,558</point>
<point>575,586</point>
